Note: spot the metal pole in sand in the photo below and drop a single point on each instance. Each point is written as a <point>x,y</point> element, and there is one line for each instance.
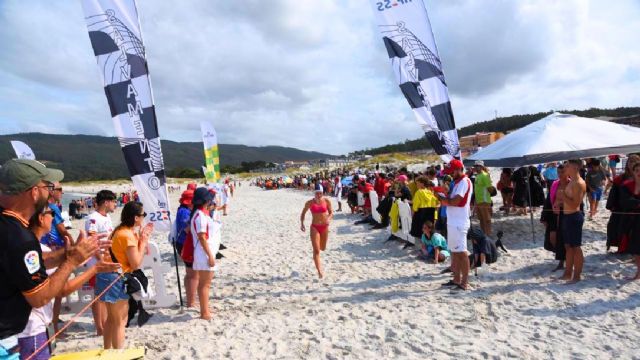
<point>175,258</point>
<point>533,232</point>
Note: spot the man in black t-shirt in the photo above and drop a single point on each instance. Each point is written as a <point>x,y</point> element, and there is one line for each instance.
<point>25,187</point>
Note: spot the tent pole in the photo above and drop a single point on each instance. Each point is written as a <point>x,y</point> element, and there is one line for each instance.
<point>533,232</point>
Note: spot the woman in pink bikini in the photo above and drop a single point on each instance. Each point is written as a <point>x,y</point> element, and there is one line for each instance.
<point>321,213</point>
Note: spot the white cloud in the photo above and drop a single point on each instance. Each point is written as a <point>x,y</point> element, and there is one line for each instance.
<point>314,74</point>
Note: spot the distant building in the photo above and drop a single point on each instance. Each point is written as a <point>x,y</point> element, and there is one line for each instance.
<point>474,142</point>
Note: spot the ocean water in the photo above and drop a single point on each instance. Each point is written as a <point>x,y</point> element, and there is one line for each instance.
<point>67,197</point>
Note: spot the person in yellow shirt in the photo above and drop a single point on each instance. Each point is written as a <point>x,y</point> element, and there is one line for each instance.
<point>425,206</point>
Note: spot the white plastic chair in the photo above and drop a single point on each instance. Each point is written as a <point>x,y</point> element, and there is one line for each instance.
<point>405,220</point>
<point>373,196</point>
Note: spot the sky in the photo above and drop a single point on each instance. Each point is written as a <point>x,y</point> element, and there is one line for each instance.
<point>315,74</point>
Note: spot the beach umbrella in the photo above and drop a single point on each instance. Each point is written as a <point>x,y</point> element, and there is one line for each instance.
<point>559,137</point>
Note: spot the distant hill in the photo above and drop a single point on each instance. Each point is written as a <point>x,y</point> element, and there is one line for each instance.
<point>501,124</point>
<point>89,157</point>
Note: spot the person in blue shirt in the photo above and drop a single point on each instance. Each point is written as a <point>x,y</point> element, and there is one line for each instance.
<point>183,234</point>
<point>550,174</point>
<point>434,245</point>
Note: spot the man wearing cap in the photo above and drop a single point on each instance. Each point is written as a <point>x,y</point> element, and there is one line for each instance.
<point>25,188</point>
<point>482,196</point>
<point>458,223</point>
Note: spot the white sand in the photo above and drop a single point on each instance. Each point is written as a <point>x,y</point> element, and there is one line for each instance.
<point>379,302</point>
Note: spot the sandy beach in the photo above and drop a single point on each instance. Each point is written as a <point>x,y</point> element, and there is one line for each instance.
<point>377,300</point>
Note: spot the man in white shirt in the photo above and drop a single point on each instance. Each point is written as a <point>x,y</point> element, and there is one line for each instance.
<point>338,191</point>
<point>458,223</point>
<point>99,222</point>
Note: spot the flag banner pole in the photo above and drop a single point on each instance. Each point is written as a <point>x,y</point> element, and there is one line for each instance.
<point>211,154</point>
<point>23,151</point>
<point>406,32</point>
<point>116,38</point>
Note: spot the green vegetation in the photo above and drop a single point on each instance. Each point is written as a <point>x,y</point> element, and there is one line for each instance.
<point>501,124</point>
<point>88,157</point>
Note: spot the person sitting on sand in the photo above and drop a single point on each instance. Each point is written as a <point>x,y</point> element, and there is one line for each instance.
<point>352,199</point>
<point>573,220</point>
<point>321,213</point>
<point>434,246</point>
<point>424,206</point>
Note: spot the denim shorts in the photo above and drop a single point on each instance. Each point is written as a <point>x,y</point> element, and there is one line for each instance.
<point>116,293</point>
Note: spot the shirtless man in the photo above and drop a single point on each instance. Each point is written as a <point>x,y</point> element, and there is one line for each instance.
<point>571,198</point>
<point>321,213</point>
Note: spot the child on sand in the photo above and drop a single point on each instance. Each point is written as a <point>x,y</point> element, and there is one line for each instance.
<point>434,246</point>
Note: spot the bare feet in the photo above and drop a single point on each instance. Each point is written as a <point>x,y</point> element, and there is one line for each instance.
<point>206,316</point>
<point>573,281</point>
<point>565,277</point>
<point>320,274</point>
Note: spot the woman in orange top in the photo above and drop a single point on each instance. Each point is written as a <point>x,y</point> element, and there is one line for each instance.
<point>129,244</point>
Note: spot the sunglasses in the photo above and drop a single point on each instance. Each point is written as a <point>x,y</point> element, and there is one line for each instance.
<point>47,212</point>
<point>57,189</point>
<point>49,187</point>
<point>144,214</point>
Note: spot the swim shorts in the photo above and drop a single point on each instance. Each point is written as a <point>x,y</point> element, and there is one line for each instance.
<point>596,194</point>
<point>457,238</point>
<point>572,229</point>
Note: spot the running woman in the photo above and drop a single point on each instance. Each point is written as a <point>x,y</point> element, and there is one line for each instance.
<point>321,213</point>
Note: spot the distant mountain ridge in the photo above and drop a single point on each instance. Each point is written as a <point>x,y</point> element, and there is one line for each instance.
<point>91,157</point>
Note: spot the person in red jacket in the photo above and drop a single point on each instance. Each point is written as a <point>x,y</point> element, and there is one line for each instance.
<point>381,185</point>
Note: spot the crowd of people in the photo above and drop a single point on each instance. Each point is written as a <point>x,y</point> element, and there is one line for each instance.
<point>39,253</point>
<point>444,198</point>
<point>83,206</point>
<point>39,256</point>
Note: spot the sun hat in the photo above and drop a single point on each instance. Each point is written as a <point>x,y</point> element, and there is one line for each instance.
<point>402,178</point>
<point>187,197</point>
<point>19,175</point>
<point>319,188</point>
<point>478,163</point>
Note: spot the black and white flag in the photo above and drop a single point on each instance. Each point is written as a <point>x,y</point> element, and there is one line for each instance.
<point>114,31</point>
<point>408,38</point>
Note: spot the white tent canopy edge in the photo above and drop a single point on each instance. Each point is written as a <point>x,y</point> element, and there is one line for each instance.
<point>559,137</point>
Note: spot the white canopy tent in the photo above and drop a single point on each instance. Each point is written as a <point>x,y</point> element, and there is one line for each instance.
<point>559,137</point>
